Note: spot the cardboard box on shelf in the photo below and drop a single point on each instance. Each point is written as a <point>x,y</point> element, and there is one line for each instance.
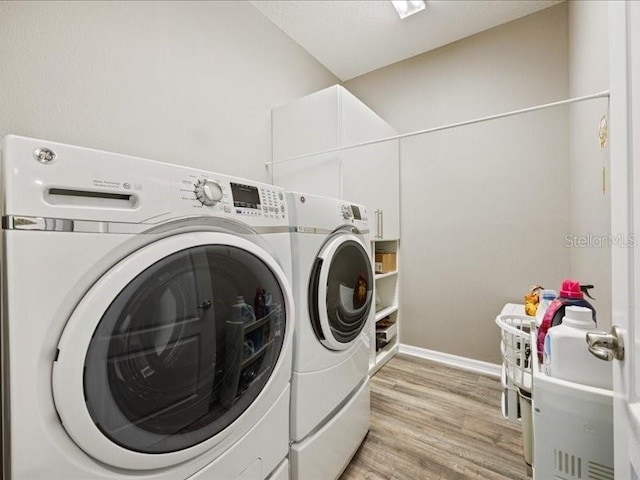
<point>385,262</point>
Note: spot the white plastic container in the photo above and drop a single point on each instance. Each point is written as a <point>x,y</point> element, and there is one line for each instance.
<point>567,356</point>
<point>546,297</point>
<point>242,312</point>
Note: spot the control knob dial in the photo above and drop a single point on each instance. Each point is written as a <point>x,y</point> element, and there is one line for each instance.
<point>209,192</point>
<point>346,212</point>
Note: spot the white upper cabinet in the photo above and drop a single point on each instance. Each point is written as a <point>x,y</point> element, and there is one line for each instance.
<point>369,175</point>
<point>307,125</point>
<point>310,124</point>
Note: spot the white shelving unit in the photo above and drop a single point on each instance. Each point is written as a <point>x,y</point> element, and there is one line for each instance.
<point>385,330</point>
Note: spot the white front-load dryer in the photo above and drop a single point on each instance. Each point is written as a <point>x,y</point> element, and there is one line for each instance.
<point>146,322</point>
<point>333,289</point>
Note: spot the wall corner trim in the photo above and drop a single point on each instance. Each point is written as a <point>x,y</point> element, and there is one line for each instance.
<point>477,366</point>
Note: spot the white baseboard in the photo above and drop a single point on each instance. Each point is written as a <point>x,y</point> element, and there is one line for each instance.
<point>464,363</point>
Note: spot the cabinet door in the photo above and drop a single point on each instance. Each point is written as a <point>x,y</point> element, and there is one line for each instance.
<point>308,125</point>
<point>317,175</point>
<point>371,176</point>
<point>358,122</point>
<point>368,175</point>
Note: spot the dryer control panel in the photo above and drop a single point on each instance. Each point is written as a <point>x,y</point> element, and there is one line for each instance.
<point>356,214</point>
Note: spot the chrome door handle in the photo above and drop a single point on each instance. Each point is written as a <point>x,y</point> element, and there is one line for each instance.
<point>377,213</point>
<point>381,223</point>
<point>606,346</point>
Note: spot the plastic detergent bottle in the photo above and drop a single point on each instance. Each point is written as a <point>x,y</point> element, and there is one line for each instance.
<point>258,303</point>
<point>242,312</point>
<point>546,297</point>
<point>567,356</point>
<point>268,303</point>
<point>571,294</point>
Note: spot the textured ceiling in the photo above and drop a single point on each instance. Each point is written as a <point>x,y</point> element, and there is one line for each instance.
<point>352,37</point>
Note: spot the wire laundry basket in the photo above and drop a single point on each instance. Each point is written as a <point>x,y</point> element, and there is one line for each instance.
<point>515,346</point>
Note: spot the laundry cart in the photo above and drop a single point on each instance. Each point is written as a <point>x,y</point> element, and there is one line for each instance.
<point>567,428</point>
<point>572,428</point>
<point>517,379</point>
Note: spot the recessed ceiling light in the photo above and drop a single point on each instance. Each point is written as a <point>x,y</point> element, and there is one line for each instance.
<point>408,7</point>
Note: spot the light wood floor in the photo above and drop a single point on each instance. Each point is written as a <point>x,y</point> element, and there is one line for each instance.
<point>432,422</point>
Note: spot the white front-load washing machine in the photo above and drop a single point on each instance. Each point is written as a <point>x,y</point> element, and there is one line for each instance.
<point>333,286</point>
<point>147,319</point>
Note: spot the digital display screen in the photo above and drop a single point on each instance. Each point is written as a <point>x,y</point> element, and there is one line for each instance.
<point>356,213</point>
<point>245,196</point>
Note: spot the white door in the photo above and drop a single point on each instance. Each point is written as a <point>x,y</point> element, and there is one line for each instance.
<point>371,176</point>
<point>624,25</point>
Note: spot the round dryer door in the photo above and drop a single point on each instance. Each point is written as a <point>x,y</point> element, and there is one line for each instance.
<point>340,291</point>
<point>170,348</point>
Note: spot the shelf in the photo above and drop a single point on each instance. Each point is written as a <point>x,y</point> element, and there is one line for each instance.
<point>258,323</point>
<point>254,356</point>
<point>384,355</point>
<point>391,242</point>
<point>385,351</point>
<point>385,341</point>
<point>236,336</point>
<point>378,276</point>
<point>380,314</point>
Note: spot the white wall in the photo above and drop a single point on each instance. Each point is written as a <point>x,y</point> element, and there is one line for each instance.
<point>590,209</point>
<point>183,82</point>
<point>484,208</point>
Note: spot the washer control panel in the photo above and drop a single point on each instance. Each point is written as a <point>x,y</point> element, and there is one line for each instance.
<point>209,192</point>
<point>274,203</point>
<point>235,197</point>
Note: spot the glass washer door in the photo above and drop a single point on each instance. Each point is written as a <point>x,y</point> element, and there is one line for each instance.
<point>178,352</point>
<point>340,291</point>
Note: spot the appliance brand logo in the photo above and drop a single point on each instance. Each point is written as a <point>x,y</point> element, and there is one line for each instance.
<point>45,156</point>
